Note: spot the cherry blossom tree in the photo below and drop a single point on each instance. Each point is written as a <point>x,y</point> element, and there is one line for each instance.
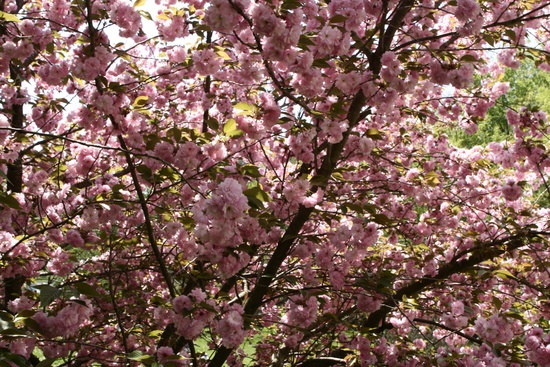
<point>269,183</point>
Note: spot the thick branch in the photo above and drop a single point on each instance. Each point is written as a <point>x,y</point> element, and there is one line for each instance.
<point>441,326</point>
<point>334,152</point>
<point>133,172</point>
<point>480,254</point>
<point>395,22</point>
<point>13,285</point>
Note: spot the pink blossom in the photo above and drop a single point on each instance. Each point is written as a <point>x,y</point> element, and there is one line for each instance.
<point>20,304</point>
<point>206,62</point>
<point>165,151</point>
<point>537,344</point>
<point>467,9</point>
<point>173,28</point>
<point>438,73</point>
<point>508,58</point>
<point>182,303</point>
<point>494,330</point>
<point>265,21</point>
<point>106,104</point>
<point>271,111</point>
<point>314,199</point>
<point>462,77</point>
<point>163,353</point>
<point>74,238</point>
<point>334,129</point>
<point>349,83</point>
<point>231,327</point>
<point>512,191</point>
<point>228,201</point>
<point>54,74</point>
<point>60,263</point>
<point>67,322</point>
<point>177,54</point>
<point>24,346</point>
<point>220,16</point>
<point>4,124</point>
<point>457,308</point>
<point>391,67</point>
<point>126,17</point>
<point>297,190</point>
<point>301,311</point>
<point>232,264</point>
<point>368,303</point>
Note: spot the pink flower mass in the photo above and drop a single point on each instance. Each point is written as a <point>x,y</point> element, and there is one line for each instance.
<point>274,183</point>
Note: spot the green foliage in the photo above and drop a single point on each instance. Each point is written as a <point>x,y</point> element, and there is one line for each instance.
<point>529,87</point>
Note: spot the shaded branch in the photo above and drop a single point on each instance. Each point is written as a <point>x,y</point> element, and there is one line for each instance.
<point>132,168</point>
<point>481,253</point>
<point>441,326</point>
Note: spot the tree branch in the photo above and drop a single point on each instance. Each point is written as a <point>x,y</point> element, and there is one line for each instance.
<point>483,252</point>
<point>133,172</point>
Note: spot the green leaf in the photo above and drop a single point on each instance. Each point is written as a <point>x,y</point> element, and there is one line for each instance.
<point>354,208</point>
<point>319,180</point>
<point>140,101</point>
<point>338,18</point>
<point>14,333</point>
<point>250,170</point>
<point>245,109</point>
<point>155,333</point>
<point>139,3</point>
<point>145,171</point>
<point>320,63</point>
<point>511,34</point>
<point>514,315</point>
<point>381,219</point>
<point>503,274</point>
<point>469,58</point>
<point>305,41</point>
<point>375,134</point>
<point>489,39</point>
<point>385,280</point>
<point>230,129</point>
<point>9,201</point>
<point>497,303</point>
<point>291,4</point>
<point>49,362</point>
<point>213,123</point>
<point>432,178</point>
<point>48,294</point>
<point>15,359</point>
<point>139,356</point>
<point>87,290</point>
<point>257,197</point>
<point>338,176</point>
<point>8,17</point>
<point>224,55</point>
<point>32,324</point>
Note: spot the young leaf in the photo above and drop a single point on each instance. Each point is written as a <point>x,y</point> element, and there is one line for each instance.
<point>8,17</point>
<point>140,101</point>
<point>231,130</point>
<point>9,201</point>
<point>245,109</point>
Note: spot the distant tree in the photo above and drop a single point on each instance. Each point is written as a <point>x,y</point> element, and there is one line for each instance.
<point>529,87</point>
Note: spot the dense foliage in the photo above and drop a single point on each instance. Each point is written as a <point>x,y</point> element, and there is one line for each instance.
<point>269,183</point>
<point>529,87</point>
